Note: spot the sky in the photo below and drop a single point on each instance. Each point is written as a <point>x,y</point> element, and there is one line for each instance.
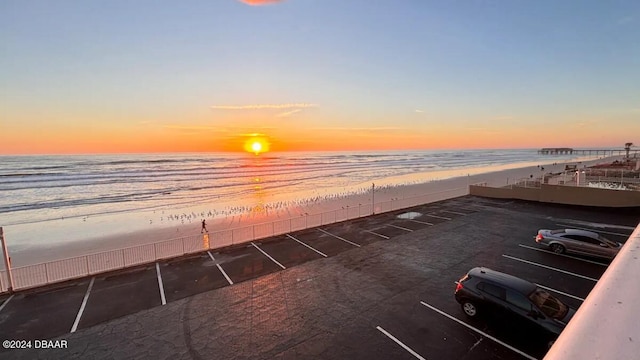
<point>316,75</point>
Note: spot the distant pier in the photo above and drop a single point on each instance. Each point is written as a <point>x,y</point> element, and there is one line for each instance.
<point>571,151</point>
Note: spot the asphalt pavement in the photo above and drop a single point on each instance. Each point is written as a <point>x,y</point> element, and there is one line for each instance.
<point>376,287</point>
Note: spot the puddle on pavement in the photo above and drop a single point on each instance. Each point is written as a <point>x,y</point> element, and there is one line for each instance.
<point>409,215</point>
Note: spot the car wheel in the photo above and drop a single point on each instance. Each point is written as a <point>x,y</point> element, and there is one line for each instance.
<point>557,248</point>
<point>469,308</point>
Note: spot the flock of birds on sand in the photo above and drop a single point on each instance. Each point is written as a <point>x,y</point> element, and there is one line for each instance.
<point>288,209</point>
<point>235,214</point>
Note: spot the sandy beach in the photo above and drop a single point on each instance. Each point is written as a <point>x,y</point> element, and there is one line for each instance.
<point>442,186</point>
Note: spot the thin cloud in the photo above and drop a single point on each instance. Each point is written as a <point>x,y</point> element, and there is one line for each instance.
<point>505,117</point>
<point>263,106</point>
<point>367,132</point>
<point>365,129</point>
<point>419,111</point>
<point>260,2</point>
<point>193,128</point>
<point>483,130</point>
<point>585,123</point>
<point>288,113</point>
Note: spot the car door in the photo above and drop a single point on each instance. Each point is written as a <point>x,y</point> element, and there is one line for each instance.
<point>610,249</point>
<point>592,246</point>
<point>519,309</point>
<point>571,243</point>
<point>494,297</point>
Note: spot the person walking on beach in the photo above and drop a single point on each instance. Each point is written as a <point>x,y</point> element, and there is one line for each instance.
<point>204,226</point>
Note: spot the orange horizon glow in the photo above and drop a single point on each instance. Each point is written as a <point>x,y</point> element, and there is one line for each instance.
<point>49,140</point>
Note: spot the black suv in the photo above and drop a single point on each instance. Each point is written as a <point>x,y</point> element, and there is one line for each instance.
<point>519,302</point>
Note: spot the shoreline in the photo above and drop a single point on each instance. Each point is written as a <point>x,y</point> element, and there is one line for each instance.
<point>30,254</point>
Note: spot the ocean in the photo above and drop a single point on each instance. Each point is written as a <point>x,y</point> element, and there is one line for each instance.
<point>54,198</point>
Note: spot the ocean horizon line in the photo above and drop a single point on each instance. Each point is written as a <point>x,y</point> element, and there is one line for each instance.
<point>608,147</point>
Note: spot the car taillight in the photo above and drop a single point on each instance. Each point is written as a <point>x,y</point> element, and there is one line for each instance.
<point>539,237</point>
<point>458,286</point>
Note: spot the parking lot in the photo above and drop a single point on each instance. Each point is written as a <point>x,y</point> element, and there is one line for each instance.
<point>377,287</point>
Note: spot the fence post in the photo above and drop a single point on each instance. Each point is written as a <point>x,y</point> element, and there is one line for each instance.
<point>46,271</point>
<point>155,252</point>
<point>373,202</point>
<point>7,261</point>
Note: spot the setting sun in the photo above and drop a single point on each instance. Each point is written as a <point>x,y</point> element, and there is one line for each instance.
<point>256,147</point>
<point>256,144</point>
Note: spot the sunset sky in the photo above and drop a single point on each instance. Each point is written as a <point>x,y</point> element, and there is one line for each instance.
<point>164,76</point>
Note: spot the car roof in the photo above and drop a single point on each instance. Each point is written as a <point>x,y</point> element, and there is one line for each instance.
<point>510,281</point>
<point>581,232</point>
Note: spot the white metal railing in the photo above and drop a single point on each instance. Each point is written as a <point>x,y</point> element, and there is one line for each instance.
<point>30,276</point>
<point>4,282</point>
<point>587,176</point>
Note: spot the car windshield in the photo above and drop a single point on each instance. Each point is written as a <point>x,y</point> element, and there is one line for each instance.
<point>549,305</point>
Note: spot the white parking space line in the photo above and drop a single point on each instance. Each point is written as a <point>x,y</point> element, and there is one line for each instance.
<point>400,343</point>
<point>6,302</point>
<point>454,212</point>
<point>82,306</point>
<point>338,237</point>
<point>160,285</point>
<point>220,268</point>
<point>478,331</point>
<point>301,243</point>
<point>438,217</point>
<point>421,222</point>
<point>485,202</point>
<point>269,256</point>
<point>563,255</point>
<point>560,292</point>
<point>594,230</point>
<point>400,227</point>
<point>550,268</point>
<point>375,233</point>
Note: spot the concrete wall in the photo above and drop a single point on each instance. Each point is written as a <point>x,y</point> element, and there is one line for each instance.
<point>522,193</point>
<point>570,195</point>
